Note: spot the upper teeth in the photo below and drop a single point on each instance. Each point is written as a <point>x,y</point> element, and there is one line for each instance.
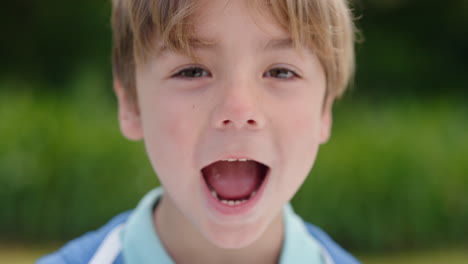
<point>232,160</point>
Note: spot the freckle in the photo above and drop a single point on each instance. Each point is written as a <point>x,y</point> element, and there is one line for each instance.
<point>193,106</point>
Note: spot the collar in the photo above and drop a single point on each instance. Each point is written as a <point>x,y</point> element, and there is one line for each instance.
<point>141,243</point>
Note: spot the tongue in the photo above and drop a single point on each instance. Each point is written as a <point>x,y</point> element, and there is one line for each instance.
<point>234,180</point>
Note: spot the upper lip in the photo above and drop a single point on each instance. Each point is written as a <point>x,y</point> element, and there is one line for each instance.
<point>236,157</point>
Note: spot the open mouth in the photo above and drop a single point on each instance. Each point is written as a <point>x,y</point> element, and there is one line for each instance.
<point>233,182</point>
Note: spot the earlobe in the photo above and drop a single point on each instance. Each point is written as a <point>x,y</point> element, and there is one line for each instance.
<point>327,120</point>
<point>128,114</point>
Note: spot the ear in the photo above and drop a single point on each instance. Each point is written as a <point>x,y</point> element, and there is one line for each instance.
<point>129,116</point>
<point>327,120</point>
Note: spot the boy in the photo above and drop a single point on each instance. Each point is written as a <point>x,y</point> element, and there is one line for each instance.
<point>232,99</point>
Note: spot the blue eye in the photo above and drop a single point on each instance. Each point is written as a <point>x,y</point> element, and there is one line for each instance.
<point>281,73</point>
<point>192,72</point>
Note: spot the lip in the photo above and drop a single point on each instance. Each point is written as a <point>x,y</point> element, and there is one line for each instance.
<point>234,210</point>
<point>238,157</point>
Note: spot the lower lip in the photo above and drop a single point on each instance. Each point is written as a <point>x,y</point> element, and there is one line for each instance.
<point>239,209</point>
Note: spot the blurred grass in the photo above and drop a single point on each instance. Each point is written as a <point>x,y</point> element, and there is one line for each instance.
<point>64,167</point>
<point>22,254</point>
<point>446,256</point>
<point>393,176</point>
<point>17,254</point>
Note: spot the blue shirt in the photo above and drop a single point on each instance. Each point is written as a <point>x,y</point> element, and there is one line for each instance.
<point>132,238</point>
<point>142,245</point>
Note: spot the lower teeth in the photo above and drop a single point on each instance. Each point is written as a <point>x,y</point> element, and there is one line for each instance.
<point>231,202</point>
<point>214,194</point>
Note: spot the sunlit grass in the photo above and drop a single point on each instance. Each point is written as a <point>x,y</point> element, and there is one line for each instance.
<point>392,177</point>
<point>450,256</point>
<point>20,254</point>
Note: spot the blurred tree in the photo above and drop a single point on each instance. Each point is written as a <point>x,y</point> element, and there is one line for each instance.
<point>48,41</point>
<point>410,47</point>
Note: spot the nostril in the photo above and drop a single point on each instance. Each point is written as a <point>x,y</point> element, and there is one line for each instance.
<point>250,122</point>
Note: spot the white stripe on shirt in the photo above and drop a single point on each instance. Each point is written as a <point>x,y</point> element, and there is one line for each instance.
<point>109,248</point>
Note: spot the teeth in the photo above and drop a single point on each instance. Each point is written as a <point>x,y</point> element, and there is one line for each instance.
<point>241,201</point>
<point>233,160</point>
<point>232,203</point>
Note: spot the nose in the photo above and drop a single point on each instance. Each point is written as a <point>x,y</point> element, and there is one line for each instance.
<point>238,106</point>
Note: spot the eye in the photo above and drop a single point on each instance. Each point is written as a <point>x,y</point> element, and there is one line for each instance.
<point>281,73</point>
<point>191,72</point>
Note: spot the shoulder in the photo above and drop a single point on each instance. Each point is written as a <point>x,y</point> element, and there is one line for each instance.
<point>336,252</point>
<point>82,249</point>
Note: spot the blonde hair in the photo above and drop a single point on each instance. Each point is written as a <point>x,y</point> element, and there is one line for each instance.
<point>326,26</point>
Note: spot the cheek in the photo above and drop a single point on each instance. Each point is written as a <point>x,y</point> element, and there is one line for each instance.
<point>305,124</point>
<point>304,141</point>
<point>301,126</point>
<point>300,134</point>
<point>169,133</point>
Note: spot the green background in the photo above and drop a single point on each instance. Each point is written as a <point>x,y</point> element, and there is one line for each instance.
<point>394,176</point>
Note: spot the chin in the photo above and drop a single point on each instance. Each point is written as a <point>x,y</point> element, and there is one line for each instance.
<point>234,237</point>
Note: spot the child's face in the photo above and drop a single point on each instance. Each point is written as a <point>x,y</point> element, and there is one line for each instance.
<point>240,100</point>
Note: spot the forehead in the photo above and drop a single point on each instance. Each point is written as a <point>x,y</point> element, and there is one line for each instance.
<point>215,16</point>
<point>220,23</point>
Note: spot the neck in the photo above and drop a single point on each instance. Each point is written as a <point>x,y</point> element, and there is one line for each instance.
<point>185,244</point>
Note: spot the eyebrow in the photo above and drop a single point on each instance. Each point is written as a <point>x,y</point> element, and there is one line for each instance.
<point>199,43</point>
<point>275,44</point>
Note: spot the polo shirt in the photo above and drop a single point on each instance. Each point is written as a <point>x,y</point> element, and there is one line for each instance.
<point>142,245</point>
<point>132,238</point>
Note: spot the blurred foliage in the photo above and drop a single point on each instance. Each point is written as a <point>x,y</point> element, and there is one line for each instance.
<point>64,167</point>
<point>413,48</point>
<point>410,47</point>
<point>49,41</point>
<point>393,176</point>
